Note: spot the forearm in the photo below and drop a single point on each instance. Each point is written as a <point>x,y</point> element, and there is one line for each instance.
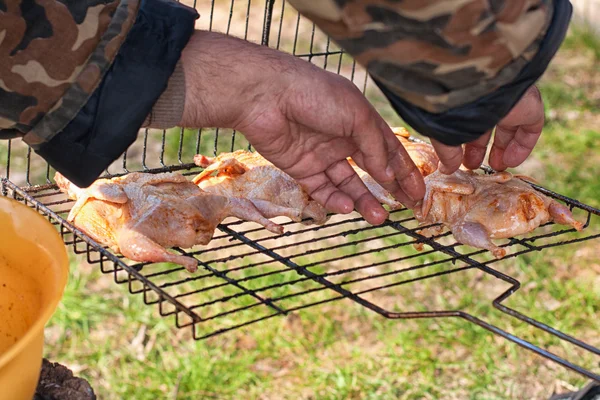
<point>225,77</point>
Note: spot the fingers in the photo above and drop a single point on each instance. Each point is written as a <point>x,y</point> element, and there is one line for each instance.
<point>450,156</point>
<point>475,151</point>
<point>340,190</point>
<point>387,161</point>
<point>345,179</point>
<point>515,137</point>
<point>520,147</point>
<point>502,138</point>
<point>518,132</point>
<point>393,187</point>
<point>409,181</point>
<point>369,137</point>
<point>321,189</point>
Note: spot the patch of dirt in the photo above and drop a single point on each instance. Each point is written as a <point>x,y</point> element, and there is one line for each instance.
<point>58,383</point>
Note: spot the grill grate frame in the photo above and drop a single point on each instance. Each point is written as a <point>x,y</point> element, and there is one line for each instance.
<point>164,286</point>
<point>232,288</point>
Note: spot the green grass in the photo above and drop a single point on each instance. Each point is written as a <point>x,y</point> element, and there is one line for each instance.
<point>341,350</point>
<point>583,39</point>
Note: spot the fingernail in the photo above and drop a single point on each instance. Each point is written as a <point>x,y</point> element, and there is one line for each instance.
<point>445,170</point>
<point>347,209</point>
<point>379,216</point>
<point>389,172</point>
<point>410,204</point>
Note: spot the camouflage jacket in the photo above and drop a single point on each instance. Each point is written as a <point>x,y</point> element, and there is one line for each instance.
<point>53,56</point>
<point>451,68</point>
<point>436,54</point>
<point>80,77</point>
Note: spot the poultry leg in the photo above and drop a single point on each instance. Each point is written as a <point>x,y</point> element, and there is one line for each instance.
<point>562,215</point>
<point>474,234</point>
<point>139,247</point>
<point>314,212</point>
<point>271,210</point>
<point>101,190</point>
<point>246,210</point>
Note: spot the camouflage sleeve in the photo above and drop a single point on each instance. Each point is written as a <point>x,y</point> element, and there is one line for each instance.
<point>451,69</point>
<point>78,78</point>
<point>52,56</point>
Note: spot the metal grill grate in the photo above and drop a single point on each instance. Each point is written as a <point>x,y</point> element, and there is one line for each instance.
<point>248,274</point>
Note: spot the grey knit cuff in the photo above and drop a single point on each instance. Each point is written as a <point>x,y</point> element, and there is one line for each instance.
<point>168,109</point>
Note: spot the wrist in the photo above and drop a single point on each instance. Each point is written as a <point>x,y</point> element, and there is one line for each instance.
<point>168,109</point>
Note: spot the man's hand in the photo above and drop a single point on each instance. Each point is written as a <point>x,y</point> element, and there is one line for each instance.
<point>303,119</point>
<point>515,137</point>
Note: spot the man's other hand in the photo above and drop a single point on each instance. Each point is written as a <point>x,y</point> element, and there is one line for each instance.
<point>514,139</point>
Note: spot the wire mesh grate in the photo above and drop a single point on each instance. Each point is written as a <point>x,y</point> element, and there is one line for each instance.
<point>247,274</point>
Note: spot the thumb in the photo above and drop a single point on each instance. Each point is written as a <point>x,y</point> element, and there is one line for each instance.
<point>450,156</point>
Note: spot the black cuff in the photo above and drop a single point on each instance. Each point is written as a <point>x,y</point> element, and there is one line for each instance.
<point>109,122</point>
<point>466,123</point>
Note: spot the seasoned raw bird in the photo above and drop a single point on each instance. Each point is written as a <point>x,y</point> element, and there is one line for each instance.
<point>140,215</point>
<point>478,208</point>
<point>250,176</point>
<point>422,154</point>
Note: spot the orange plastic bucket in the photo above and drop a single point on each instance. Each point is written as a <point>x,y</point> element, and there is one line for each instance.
<point>33,273</point>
